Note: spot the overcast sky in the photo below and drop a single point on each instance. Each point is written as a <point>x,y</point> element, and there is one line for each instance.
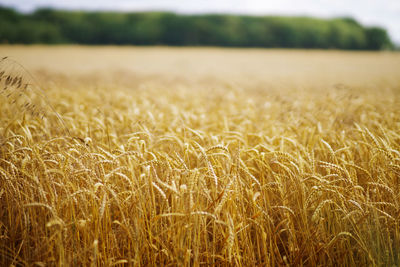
<point>385,13</point>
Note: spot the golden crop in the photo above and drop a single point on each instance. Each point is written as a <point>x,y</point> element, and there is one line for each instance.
<point>161,156</point>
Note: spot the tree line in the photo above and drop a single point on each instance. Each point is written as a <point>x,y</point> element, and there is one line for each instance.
<point>163,28</point>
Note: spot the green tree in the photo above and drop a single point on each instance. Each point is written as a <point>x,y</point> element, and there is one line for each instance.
<point>163,28</point>
<point>377,38</point>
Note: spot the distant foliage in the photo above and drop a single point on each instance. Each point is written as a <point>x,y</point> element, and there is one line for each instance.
<point>160,28</point>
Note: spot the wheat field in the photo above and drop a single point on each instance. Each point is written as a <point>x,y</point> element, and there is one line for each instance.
<point>129,156</point>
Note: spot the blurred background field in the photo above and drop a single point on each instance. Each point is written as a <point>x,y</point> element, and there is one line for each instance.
<point>265,67</point>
